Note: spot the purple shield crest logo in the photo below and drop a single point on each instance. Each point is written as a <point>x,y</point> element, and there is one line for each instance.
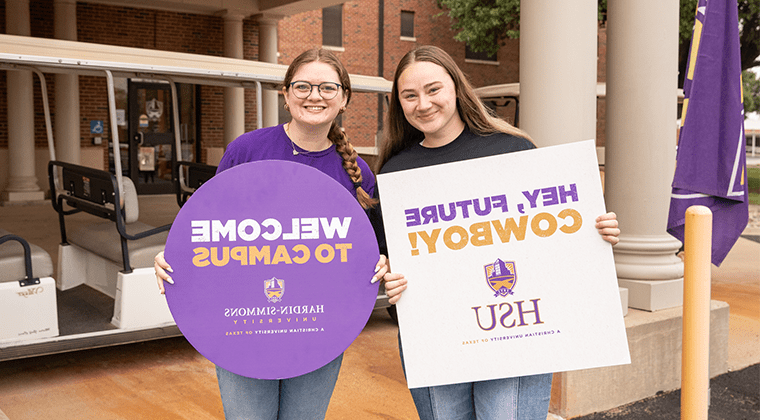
<point>501,277</point>
<point>274,289</point>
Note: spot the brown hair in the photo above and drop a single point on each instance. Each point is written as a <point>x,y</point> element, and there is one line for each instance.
<point>336,135</point>
<point>399,134</point>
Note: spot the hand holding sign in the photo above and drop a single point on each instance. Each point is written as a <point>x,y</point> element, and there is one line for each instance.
<point>502,267</point>
<point>250,264</point>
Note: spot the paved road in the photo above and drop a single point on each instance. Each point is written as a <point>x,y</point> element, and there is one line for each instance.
<point>733,396</point>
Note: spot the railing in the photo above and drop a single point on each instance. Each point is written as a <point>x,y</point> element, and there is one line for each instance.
<point>95,192</point>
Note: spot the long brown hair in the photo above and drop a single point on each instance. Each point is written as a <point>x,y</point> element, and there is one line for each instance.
<point>399,134</point>
<point>336,135</point>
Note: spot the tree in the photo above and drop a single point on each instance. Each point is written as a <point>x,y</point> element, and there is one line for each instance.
<point>751,91</point>
<point>749,41</point>
<point>483,24</point>
<point>486,24</point>
<point>749,20</point>
<point>749,32</point>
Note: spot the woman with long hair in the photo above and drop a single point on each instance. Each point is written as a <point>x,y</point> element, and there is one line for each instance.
<point>434,117</point>
<point>316,89</point>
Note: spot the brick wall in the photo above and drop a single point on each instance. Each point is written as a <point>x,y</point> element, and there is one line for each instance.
<point>203,34</point>
<point>431,27</point>
<point>3,111</point>
<point>300,32</point>
<point>138,28</point>
<point>41,12</point>
<point>160,30</point>
<point>360,30</point>
<point>601,76</point>
<point>250,52</point>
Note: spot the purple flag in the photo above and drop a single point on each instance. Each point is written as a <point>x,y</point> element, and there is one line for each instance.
<point>711,163</point>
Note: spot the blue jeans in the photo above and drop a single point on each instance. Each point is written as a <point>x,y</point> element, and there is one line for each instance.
<point>521,398</point>
<point>304,397</point>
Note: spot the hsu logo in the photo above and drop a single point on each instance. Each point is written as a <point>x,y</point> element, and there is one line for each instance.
<point>501,277</point>
<point>274,289</point>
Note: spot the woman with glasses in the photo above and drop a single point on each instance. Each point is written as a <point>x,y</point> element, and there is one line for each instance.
<point>316,89</point>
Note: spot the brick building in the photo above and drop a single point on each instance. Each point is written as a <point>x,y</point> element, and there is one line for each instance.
<point>564,54</point>
<point>367,35</point>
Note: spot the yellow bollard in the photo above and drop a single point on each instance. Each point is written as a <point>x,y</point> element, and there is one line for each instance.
<point>695,357</point>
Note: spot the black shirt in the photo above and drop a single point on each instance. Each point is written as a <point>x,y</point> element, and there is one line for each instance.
<point>466,146</point>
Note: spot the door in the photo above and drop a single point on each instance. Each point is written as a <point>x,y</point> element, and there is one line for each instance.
<point>151,134</point>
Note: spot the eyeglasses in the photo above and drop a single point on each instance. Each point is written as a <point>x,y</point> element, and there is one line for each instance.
<point>327,90</point>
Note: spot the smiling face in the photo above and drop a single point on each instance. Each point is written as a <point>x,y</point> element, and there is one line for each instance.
<point>428,98</point>
<point>315,110</point>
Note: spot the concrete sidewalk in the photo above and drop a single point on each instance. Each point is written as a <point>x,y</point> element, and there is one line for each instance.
<point>734,395</point>
<point>168,379</point>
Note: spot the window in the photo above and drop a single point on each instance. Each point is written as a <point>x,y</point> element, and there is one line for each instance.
<point>407,24</point>
<point>480,56</point>
<point>332,26</point>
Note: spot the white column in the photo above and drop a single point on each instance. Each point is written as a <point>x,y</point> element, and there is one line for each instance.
<point>234,98</point>
<point>22,181</point>
<point>67,125</point>
<point>558,48</point>
<point>558,56</point>
<point>268,54</point>
<point>642,82</point>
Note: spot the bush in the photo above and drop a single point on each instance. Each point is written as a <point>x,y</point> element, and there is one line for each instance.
<point>753,184</point>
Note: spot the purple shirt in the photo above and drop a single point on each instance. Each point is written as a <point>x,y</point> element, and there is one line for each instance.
<point>272,143</point>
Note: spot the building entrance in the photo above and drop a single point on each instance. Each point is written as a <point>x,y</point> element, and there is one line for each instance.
<point>151,137</point>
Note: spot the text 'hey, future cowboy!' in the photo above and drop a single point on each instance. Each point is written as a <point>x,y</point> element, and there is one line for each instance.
<point>456,237</point>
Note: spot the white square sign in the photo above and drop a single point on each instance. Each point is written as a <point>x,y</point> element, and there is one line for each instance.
<point>507,275</point>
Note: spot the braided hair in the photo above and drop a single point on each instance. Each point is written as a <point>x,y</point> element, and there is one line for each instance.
<point>336,135</point>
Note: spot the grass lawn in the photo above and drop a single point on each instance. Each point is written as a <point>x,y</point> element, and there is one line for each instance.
<point>753,179</point>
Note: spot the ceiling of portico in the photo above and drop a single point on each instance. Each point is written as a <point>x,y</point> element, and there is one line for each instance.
<point>246,8</point>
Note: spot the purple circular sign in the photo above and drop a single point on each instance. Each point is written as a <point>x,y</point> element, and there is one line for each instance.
<point>272,264</point>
